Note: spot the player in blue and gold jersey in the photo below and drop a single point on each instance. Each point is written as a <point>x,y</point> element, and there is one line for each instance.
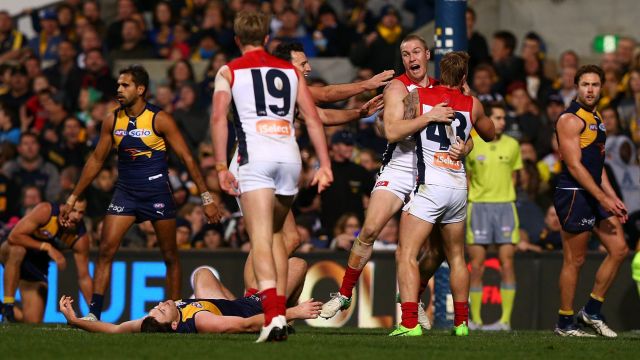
<point>213,310</point>
<point>586,202</point>
<point>141,134</point>
<point>38,238</point>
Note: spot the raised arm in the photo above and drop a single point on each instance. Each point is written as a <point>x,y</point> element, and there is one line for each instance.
<point>66,309</point>
<point>167,127</point>
<point>483,125</point>
<point>334,117</point>
<point>81,257</point>
<point>339,92</point>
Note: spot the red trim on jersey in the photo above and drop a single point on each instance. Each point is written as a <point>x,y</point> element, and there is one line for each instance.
<point>454,97</point>
<point>406,80</point>
<point>256,59</point>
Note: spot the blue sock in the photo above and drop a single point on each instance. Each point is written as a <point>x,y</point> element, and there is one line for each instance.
<point>95,307</point>
<point>565,320</point>
<point>593,306</point>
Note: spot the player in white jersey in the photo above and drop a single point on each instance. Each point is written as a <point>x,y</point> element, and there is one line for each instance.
<point>396,179</point>
<point>441,192</point>
<point>266,90</point>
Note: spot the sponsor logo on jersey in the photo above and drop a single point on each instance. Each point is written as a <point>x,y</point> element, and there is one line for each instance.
<point>120,132</point>
<point>382,183</point>
<point>443,160</point>
<point>158,205</point>
<point>135,153</point>
<point>139,133</point>
<point>273,127</point>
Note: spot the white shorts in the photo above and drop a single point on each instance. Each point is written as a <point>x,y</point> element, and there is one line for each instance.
<point>282,177</point>
<point>401,183</point>
<point>438,204</point>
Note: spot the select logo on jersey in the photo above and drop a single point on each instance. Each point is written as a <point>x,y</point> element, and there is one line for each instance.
<point>382,183</point>
<point>273,127</point>
<point>443,160</point>
<point>120,132</point>
<point>139,133</point>
<point>135,153</point>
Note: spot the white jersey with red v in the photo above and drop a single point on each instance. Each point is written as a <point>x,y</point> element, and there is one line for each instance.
<point>435,166</point>
<point>264,90</point>
<point>401,155</point>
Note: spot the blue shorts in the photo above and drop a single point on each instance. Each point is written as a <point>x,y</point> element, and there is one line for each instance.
<point>578,210</point>
<point>143,202</point>
<point>35,266</point>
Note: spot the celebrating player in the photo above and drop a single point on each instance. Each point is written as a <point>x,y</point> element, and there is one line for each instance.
<point>586,202</point>
<point>269,158</point>
<point>36,239</point>
<point>396,179</point>
<point>213,310</point>
<point>141,133</point>
<point>441,194</point>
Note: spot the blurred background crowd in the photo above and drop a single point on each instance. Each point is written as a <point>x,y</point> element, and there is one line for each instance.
<point>57,87</point>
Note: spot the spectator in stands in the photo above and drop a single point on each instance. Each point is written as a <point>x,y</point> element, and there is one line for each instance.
<point>65,75</point>
<point>210,238</point>
<point>370,161</point>
<point>538,85</point>
<point>215,24</point>
<point>72,149</point>
<point>380,50</point>
<point>45,44</point>
<point>12,41</point>
<point>100,192</point>
<point>388,237</point>
<point>359,17</point>
<point>91,12</point>
<point>192,119</point>
<point>9,129</point>
<point>161,34</point>
<point>68,178</point>
<point>567,89</point>
<point>86,101</point>
<point>33,115</point>
<point>164,98</point>
<point>527,201</point>
<point>19,91</point>
<point>331,37</point>
<point>126,9</point>
<point>97,75</point>
<point>207,46</point>
<point>351,183</point>
<point>183,234</point>
<point>550,238</point>
<point>30,196</point>
<point>624,171</point>
<point>508,66</point>
<point>208,82</point>
<point>180,74</point>
<point>569,58</point>
<point>292,31</point>
<point>554,107</point>
<point>31,169</point>
<point>89,40</point>
<point>615,137</point>
<point>629,105</point>
<point>522,122</point>
<point>57,113</point>
<point>134,45</point>
<point>624,52</point>
<point>533,47</point>
<point>484,78</point>
<point>180,49</point>
<point>194,215</point>
<point>66,21</point>
<point>345,231</point>
<point>33,65</point>
<point>476,45</point>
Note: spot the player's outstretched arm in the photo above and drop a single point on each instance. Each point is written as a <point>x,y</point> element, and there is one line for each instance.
<point>93,165</point>
<point>66,308</point>
<point>219,130</point>
<point>168,128</point>
<point>339,92</point>
<point>401,117</point>
<point>483,125</point>
<point>81,257</point>
<point>324,176</point>
<point>21,235</point>
<point>334,117</point>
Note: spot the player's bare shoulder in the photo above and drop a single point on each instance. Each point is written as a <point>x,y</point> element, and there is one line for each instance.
<point>395,88</point>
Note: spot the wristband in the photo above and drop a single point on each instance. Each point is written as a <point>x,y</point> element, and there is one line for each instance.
<point>206,198</point>
<point>43,246</point>
<point>221,167</point>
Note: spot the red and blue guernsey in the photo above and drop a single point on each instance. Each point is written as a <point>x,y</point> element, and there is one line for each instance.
<point>264,90</point>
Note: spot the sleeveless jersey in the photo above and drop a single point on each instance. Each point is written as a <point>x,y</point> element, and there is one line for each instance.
<point>592,139</point>
<point>264,90</point>
<point>188,308</point>
<point>433,142</point>
<point>142,153</point>
<point>401,155</point>
<point>54,234</point>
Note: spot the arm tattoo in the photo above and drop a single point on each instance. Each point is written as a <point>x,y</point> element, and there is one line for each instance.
<point>410,102</point>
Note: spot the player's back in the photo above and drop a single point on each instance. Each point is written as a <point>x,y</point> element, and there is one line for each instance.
<point>264,90</point>
<point>435,166</point>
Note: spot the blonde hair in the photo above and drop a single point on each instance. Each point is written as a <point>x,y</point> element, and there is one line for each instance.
<point>453,68</point>
<point>251,27</point>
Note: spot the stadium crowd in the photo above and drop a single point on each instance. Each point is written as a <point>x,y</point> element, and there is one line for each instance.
<point>57,87</point>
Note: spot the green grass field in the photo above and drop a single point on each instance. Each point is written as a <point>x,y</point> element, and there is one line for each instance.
<point>62,342</point>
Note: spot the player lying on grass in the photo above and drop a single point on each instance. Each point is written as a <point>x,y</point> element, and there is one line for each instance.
<point>214,309</point>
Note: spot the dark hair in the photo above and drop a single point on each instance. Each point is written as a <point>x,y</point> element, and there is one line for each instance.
<point>11,113</point>
<point>172,80</point>
<point>27,134</point>
<point>471,11</point>
<point>139,75</point>
<point>151,325</point>
<point>172,17</point>
<point>284,49</point>
<point>454,67</point>
<point>489,106</point>
<point>589,69</point>
<point>532,35</point>
<point>507,38</point>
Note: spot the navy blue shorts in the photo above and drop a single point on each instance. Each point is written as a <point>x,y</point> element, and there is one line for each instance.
<point>578,210</point>
<point>35,266</point>
<point>244,307</point>
<point>143,202</point>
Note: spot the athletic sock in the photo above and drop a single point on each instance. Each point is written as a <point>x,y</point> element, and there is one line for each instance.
<point>475,294</point>
<point>409,314</point>
<point>282,305</point>
<point>349,280</point>
<point>460,312</point>
<point>565,318</point>
<point>7,308</point>
<point>508,294</point>
<point>9,300</point>
<point>95,307</point>
<point>250,291</point>
<point>594,305</point>
<point>269,299</point>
